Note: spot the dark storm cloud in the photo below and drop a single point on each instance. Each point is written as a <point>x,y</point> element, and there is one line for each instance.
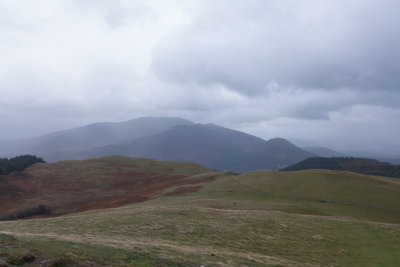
<point>246,45</point>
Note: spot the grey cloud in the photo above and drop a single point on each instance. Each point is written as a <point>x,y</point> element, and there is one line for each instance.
<point>324,70</point>
<point>301,44</point>
<point>117,13</point>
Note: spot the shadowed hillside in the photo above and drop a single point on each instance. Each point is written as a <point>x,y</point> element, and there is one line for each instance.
<point>360,165</point>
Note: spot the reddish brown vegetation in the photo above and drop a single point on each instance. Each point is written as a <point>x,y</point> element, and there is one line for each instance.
<point>67,187</point>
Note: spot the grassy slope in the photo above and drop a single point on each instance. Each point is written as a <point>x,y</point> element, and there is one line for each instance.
<point>252,219</point>
<point>314,192</point>
<point>51,252</point>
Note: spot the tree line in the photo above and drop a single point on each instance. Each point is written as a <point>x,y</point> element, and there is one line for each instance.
<point>359,165</point>
<point>18,163</point>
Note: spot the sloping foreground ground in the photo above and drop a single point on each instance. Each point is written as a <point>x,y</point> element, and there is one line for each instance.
<point>307,218</point>
<point>71,186</point>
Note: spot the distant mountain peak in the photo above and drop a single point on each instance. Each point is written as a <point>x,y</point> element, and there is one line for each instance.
<point>213,146</point>
<point>279,140</point>
<point>149,118</point>
<point>65,144</point>
<point>169,139</point>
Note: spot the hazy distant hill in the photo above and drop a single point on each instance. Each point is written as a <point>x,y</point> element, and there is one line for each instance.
<point>322,151</point>
<point>213,146</point>
<point>360,165</point>
<point>65,144</point>
<point>164,139</point>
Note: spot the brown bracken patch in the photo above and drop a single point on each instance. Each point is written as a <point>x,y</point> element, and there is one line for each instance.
<point>67,187</point>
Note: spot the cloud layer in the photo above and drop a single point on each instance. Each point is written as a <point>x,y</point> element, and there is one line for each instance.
<point>326,71</point>
<point>307,44</point>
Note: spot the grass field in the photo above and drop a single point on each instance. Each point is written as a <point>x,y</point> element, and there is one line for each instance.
<point>307,218</point>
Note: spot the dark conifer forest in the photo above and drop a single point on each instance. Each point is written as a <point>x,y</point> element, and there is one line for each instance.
<point>18,163</point>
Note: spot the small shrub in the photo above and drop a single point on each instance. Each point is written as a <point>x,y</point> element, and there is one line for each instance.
<point>20,258</point>
<point>3,263</point>
<point>62,262</point>
<point>39,210</point>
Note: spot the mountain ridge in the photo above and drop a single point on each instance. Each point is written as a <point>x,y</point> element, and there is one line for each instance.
<point>64,144</point>
<point>213,146</point>
<point>167,139</point>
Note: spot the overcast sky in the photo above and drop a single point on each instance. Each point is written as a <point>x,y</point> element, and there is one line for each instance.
<point>327,71</point>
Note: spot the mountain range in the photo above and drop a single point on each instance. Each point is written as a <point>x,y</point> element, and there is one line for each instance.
<point>63,144</point>
<point>163,139</point>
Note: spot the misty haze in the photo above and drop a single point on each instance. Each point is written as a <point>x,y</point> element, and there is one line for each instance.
<point>199,133</point>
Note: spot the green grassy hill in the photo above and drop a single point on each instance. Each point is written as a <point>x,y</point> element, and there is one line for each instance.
<point>305,218</point>
<point>359,165</point>
<point>313,192</point>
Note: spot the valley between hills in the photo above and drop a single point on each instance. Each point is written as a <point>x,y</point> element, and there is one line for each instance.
<point>120,211</point>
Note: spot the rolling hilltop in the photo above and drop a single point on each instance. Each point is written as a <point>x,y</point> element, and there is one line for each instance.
<point>202,217</point>
<point>71,186</point>
<point>164,139</point>
<point>359,165</point>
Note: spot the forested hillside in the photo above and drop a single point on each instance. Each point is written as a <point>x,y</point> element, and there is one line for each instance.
<point>18,163</point>
<point>360,165</point>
